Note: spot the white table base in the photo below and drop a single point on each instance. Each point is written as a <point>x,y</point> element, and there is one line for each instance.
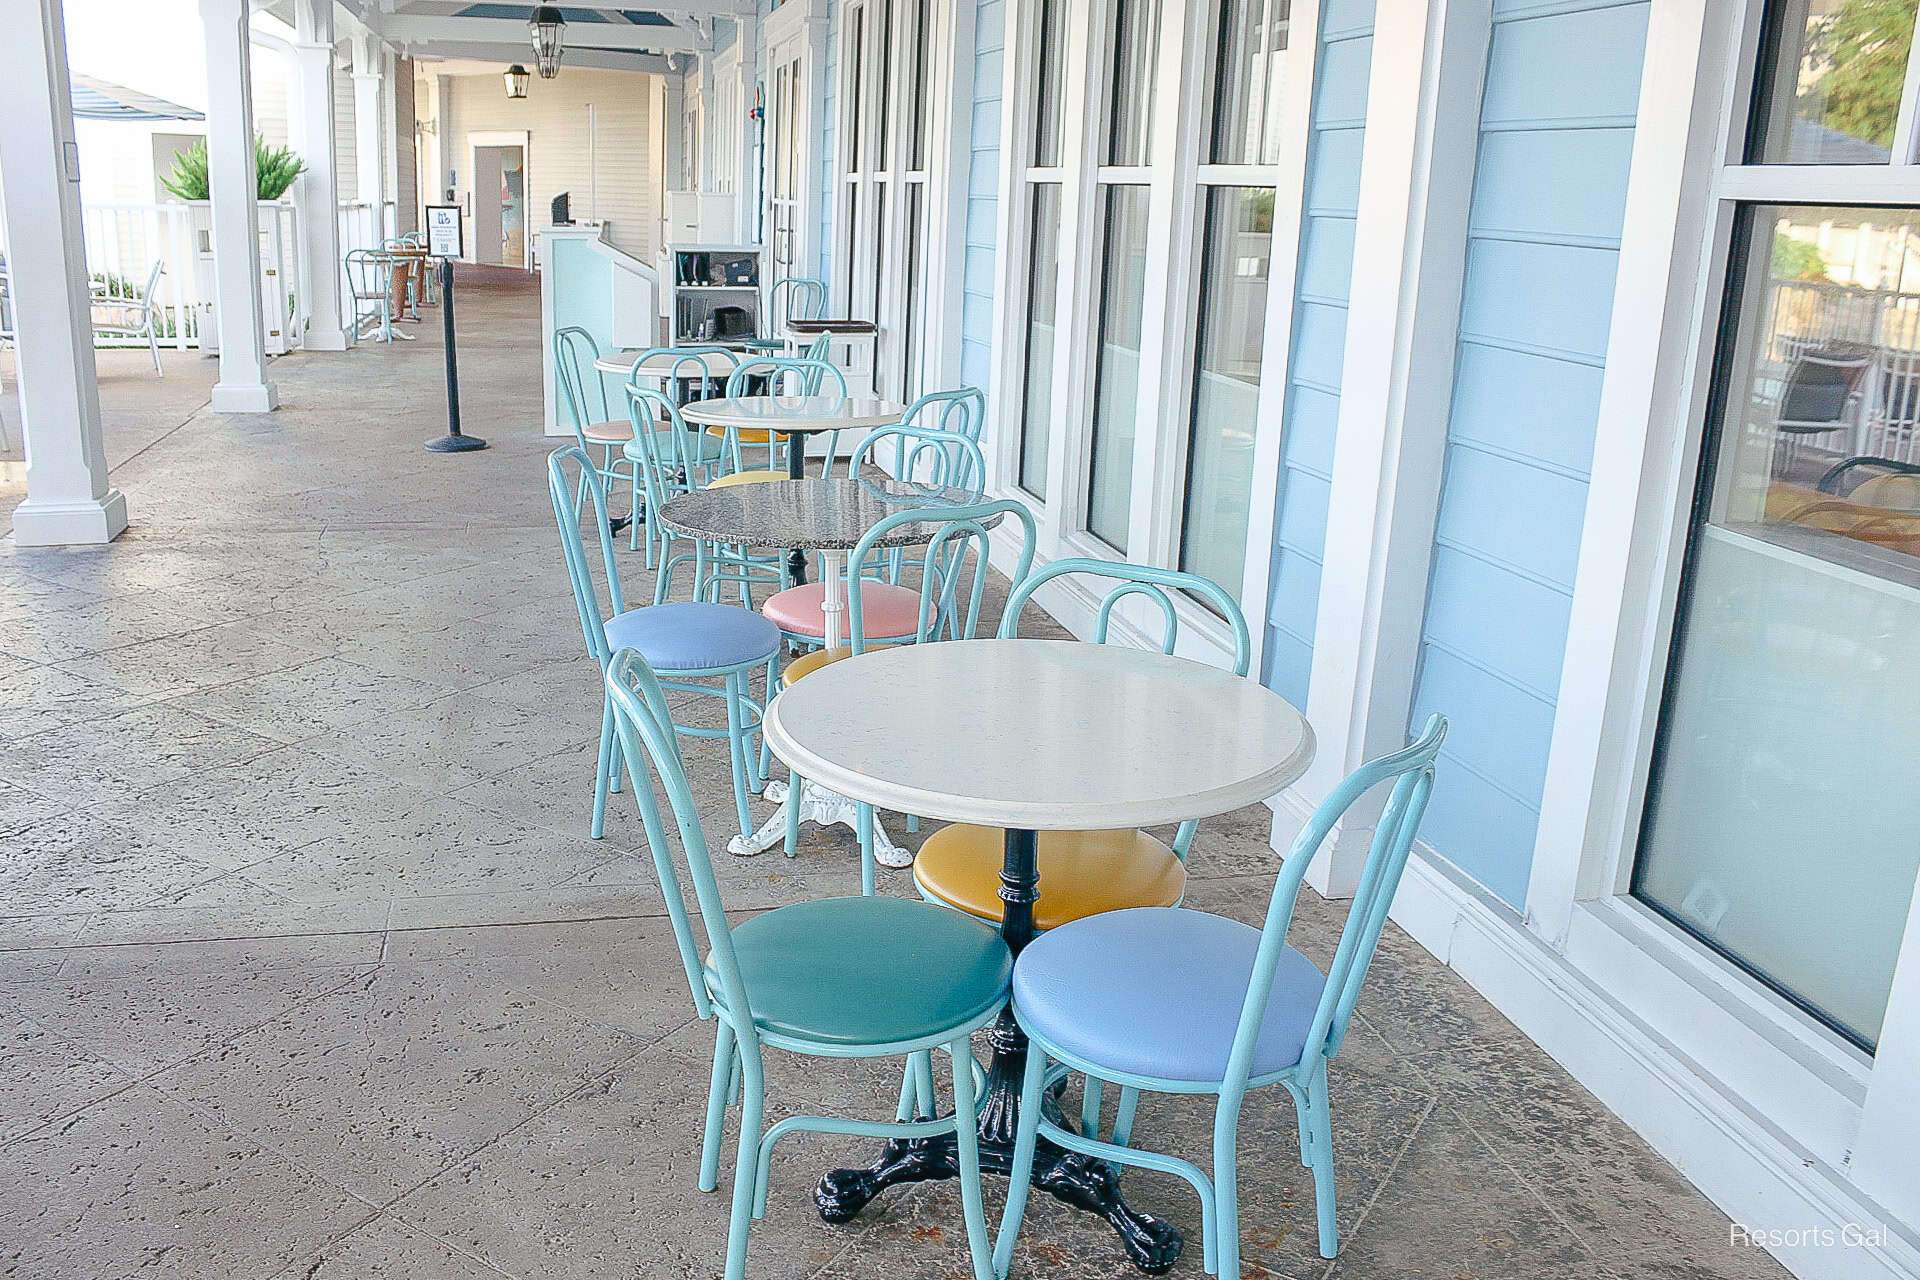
<point>817,805</point>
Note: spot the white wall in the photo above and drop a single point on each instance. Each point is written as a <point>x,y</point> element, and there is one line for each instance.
<point>554,115</point>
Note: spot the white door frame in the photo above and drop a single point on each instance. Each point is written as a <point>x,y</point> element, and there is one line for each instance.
<point>797,32</point>
<point>502,138</point>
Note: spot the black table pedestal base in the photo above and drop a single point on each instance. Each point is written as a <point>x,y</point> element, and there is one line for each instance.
<point>1085,1182</point>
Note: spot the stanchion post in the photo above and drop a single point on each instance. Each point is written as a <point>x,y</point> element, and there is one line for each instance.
<point>453,441</point>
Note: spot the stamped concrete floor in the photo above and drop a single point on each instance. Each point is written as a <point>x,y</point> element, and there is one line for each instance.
<point>308,968</point>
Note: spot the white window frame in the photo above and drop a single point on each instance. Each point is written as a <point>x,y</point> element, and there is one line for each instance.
<point>1181,124</point>
<point>797,31</point>
<point>1687,188</point>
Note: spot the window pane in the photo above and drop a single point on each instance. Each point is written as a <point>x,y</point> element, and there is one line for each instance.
<point>1781,810</point>
<point>883,140</point>
<point>1046,127</point>
<point>1226,383</point>
<point>1136,43</point>
<point>918,89</point>
<point>857,88</point>
<point>1246,84</point>
<point>1116,397</point>
<point>1830,79</point>
<point>910,348</point>
<point>1042,303</point>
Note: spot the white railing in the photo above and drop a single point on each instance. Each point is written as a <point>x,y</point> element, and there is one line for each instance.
<point>1882,325</point>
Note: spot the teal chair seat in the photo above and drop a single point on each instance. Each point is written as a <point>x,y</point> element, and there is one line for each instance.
<point>943,969</point>
<point>1175,1016</point>
<point>696,447</point>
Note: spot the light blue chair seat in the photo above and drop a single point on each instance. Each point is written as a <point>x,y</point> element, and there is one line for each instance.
<point>696,447</point>
<point>690,635</point>
<point>943,969</point>
<point>1175,1016</point>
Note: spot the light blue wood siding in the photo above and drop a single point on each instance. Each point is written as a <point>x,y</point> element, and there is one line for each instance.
<point>1549,188</point>
<point>983,197</point>
<point>1319,340</point>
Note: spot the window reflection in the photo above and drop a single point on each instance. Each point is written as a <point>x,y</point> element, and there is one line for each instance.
<point>1830,90</point>
<point>1246,91</point>
<point>1828,386</point>
<point>1042,302</point>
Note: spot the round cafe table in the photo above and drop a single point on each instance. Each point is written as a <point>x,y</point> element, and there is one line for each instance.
<point>625,364</point>
<point>795,416</point>
<point>1032,735</point>
<point>831,517</point>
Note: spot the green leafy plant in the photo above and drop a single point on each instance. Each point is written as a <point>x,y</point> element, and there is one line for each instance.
<point>1861,49</point>
<point>277,167</point>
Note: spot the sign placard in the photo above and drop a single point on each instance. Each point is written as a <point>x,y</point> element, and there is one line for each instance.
<point>443,231</point>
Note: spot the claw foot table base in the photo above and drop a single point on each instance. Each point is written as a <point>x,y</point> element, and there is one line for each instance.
<point>824,808</point>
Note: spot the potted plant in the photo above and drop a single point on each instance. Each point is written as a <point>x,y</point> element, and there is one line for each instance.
<point>276,169</point>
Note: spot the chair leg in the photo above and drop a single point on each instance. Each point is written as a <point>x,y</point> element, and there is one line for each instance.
<point>1026,1138</point>
<point>794,784</point>
<point>1226,1189</point>
<point>864,817</point>
<point>928,1100</point>
<point>745,1165</point>
<point>979,1244</point>
<point>1123,1121</point>
<point>1090,1107</point>
<point>1317,1123</point>
<point>601,778</point>
<point>909,1090</point>
<point>738,746</point>
<point>716,1105</point>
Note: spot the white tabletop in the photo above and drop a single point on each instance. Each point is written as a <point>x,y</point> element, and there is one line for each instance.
<point>1048,735</point>
<point>795,413</point>
<point>683,363</point>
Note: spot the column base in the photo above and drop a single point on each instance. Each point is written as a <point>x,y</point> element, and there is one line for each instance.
<point>91,522</point>
<point>262,397</point>
<point>316,339</point>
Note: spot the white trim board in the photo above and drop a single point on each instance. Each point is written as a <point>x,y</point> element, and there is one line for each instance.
<point>1750,1170</point>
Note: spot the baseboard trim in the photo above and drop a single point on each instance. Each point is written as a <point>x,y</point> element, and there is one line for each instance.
<point>1752,1172</point>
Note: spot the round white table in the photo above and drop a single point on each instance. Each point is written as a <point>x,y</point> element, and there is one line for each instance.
<point>687,364</point>
<point>795,416</point>
<point>1033,735</point>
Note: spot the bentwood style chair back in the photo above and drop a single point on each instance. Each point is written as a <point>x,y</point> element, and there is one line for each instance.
<point>1168,1000</point>
<point>795,298</point>
<point>809,375</point>
<point>779,981</point>
<point>692,641</point>
<point>583,393</point>
<point>1086,872</point>
<point>953,572</point>
<point>962,412</point>
<point>370,284</point>
<point>671,460</point>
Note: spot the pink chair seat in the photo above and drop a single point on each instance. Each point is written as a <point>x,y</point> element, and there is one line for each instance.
<point>613,432</point>
<point>887,612</point>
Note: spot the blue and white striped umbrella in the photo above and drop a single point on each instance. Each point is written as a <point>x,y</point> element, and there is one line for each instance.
<point>101,100</point>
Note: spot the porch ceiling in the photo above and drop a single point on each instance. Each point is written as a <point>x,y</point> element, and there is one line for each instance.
<point>604,35</point>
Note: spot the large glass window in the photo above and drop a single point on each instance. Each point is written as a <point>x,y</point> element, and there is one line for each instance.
<point>1829,90</point>
<point>1117,366</point>
<point>1782,813</point>
<point>1247,72</point>
<point>1046,87</point>
<point>1135,46</point>
<point>1235,258</point>
<point>1042,305</point>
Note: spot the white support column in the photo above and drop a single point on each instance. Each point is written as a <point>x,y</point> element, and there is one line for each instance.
<point>243,385</point>
<point>445,142</point>
<point>312,128</point>
<point>1423,110</point>
<point>68,498</point>
<point>369,123</point>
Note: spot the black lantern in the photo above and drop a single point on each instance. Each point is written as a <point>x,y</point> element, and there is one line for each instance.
<point>547,26</point>
<point>516,81</point>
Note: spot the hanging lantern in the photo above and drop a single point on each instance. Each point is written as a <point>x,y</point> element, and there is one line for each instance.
<point>516,81</point>
<point>547,26</point>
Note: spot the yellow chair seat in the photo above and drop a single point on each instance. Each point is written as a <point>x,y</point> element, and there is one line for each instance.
<point>1082,873</point>
<point>808,663</point>
<point>748,477</point>
<point>748,435</point>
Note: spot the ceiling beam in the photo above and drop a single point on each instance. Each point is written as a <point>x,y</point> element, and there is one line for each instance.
<point>593,59</point>
<point>410,29</point>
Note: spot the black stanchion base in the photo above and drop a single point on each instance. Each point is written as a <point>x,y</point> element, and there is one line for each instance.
<point>456,444</point>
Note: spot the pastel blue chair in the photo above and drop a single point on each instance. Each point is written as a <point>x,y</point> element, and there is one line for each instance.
<point>1168,1000</point>
<point>692,641</point>
<point>1086,872</point>
<point>924,455</point>
<point>962,412</point>
<point>953,580</point>
<point>780,980</point>
<point>808,375</point>
<point>592,420</point>
<point>370,289</point>
<point>668,460</point>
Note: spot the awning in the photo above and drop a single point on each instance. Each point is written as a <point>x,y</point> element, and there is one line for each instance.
<point>100,100</point>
